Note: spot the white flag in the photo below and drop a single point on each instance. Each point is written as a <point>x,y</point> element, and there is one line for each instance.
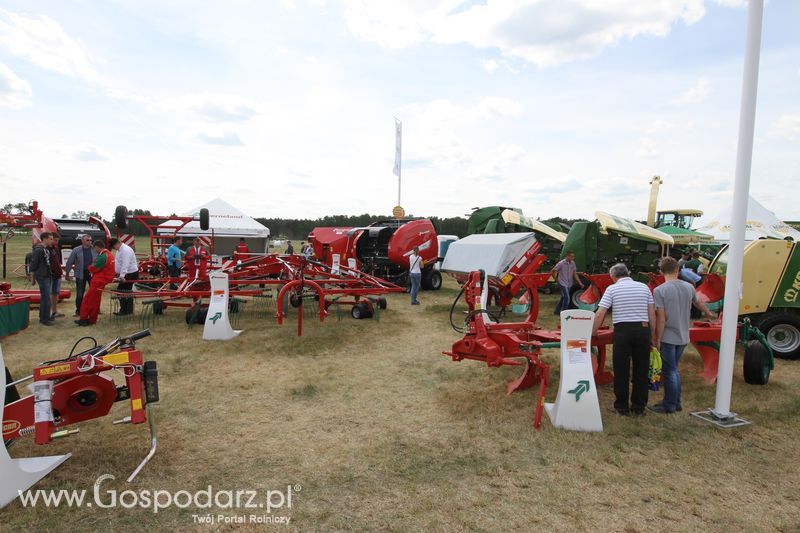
<point>398,145</point>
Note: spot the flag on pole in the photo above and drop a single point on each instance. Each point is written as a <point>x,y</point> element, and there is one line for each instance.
<point>398,146</point>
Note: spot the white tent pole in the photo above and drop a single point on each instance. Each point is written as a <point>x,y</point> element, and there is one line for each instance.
<point>741,191</point>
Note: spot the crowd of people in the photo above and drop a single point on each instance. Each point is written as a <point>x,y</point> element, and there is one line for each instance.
<point>93,266</point>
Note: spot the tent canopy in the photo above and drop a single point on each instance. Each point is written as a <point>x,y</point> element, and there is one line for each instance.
<point>224,219</point>
<point>494,253</point>
<point>761,223</point>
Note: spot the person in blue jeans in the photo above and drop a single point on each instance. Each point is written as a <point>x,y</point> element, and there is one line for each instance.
<point>415,264</point>
<point>673,302</point>
<point>40,271</point>
<point>565,272</point>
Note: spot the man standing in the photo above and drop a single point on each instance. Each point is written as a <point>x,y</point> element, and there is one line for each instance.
<point>56,271</point>
<point>415,263</point>
<point>196,260</point>
<point>174,258</point>
<point>289,248</point>
<point>127,269</point>
<point>634,331</point>
<point>565,272</point>
<point>242,249</point>
<point>694,262</point>
<point>102,274</point>
<point>40,272</point>
<point>80,259</point>
<point>673,301</point>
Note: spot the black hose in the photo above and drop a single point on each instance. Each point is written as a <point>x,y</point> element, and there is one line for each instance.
<point>452,308</point>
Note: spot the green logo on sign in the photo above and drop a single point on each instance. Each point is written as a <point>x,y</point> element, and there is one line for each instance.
<point>583,386</point>
<point>216,317</point>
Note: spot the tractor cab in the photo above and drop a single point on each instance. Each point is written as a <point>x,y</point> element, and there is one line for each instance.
<point>678,218</point>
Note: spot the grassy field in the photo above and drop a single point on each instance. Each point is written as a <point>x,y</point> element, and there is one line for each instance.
<point>382,432</point>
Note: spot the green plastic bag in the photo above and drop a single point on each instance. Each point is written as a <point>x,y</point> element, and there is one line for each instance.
<point>655,368</point>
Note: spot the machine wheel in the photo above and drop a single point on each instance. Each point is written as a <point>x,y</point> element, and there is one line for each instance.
<point>782,330</point>
<point>547,289</point>
<point>361,310</point>
<point>121,216</point>
<point>295,299</point>
<point>756,363</point>
<point>204,219</point>
<point>201,315</point>
<point>381,302</point>
<point>577,292</point>
<point>432,280</point>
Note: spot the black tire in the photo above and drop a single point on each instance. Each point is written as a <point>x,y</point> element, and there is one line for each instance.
<point>435,280</point>
<point>295,299</point>
<point>381,302</point>
<point>782,329</point>
<point>361,310</point>
<point>547,289</point>
<point>756,363</point>
<point>201,315</point>
<point>204,219</point>
<point>576,292</point>
<point>121,217</point>
<point>431,280</point>
<point>158,307</point>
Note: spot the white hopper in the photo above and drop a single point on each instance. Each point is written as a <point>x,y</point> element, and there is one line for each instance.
<point>494,253</point>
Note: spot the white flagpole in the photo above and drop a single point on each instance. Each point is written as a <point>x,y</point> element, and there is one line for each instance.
<point>741,191</point>
<point>398,154</point>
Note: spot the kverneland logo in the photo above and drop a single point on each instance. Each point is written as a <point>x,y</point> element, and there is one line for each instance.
<point>571,317</point>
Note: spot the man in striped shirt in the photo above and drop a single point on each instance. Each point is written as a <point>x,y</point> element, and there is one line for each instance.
<point>634,320</point>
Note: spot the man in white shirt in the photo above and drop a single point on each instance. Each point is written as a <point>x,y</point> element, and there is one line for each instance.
<point>415,264</point>
<point>634,320</point>
<point>126,268</point>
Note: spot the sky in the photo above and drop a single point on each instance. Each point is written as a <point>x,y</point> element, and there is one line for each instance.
<point>287,108</point>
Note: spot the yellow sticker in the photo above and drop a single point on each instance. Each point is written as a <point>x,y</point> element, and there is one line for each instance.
<point>116,358</point>
<point>57,369</point>
<point>507,279</point>
<point>136,404</point>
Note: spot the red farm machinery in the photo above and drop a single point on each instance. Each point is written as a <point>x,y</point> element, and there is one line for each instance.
<point>496,270</point>
<point>382,249</point>
<point>70,390</point>
<point>267,280</point>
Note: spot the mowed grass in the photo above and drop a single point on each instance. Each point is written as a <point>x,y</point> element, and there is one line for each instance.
<point>382,432</point>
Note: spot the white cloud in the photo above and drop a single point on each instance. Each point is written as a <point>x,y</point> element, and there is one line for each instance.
<point>216,107</point>
<point>218,137</point>
<point>89,153</point>
<point>490,65</point>
<point>15,92</point>
<point>696,93</point>
<point>545,33</point>
<point>43,42</point>
<point>787,127</point>
<point>647,149</point>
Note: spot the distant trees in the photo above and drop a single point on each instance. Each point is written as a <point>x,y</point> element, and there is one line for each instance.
<point>15,208</point>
